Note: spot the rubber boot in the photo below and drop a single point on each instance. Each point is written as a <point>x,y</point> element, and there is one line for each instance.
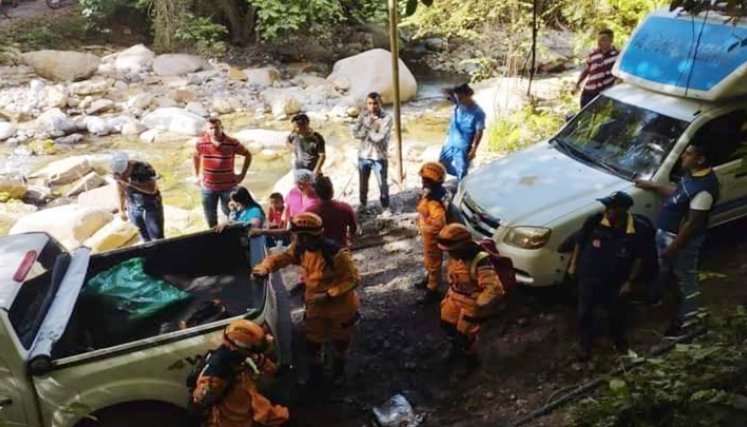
<point>338,371</point>
<point>428,298</point>
<point>316,375</point>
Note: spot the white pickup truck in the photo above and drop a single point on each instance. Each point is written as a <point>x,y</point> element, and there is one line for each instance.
<point>685,79</point>
<point>62,365</point>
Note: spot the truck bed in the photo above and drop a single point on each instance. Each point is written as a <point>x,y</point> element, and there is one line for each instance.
<point>210,266</point>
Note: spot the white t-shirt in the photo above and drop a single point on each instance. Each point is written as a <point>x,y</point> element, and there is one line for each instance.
<point>702,201</point>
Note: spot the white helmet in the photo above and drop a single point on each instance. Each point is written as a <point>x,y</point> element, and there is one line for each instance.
<point>119,162</point>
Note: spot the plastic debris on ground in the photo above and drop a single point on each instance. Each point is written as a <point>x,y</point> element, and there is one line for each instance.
<point>397,412</point>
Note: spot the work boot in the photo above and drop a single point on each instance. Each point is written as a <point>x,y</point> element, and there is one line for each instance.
<point>428,298</point>
<point>316,375</point>
<point>338,371</point>
<point>422,284</point>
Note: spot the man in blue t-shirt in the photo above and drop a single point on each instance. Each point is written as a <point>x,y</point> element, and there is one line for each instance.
<point>465,132</point>
<point>682,224</point>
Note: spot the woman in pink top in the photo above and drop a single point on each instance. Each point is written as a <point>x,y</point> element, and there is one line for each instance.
<point>302,196</point>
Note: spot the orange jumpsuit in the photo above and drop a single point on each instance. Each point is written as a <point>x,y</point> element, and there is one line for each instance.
<point>431,219</point>
<point>242,405</point>
<point>473,286</point>
<point>334,318</point>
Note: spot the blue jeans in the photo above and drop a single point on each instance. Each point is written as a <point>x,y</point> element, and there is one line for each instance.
<point>684,266</point>
<point>210,200</point>
<point>148,219</point>
<point>379,168</point>
<point>455,160</point>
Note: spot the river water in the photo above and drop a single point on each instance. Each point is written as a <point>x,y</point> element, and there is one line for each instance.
<point>424,122</point>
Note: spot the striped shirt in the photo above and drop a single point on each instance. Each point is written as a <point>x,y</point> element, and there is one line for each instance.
<point>218,162</point>
<point>600,70</point>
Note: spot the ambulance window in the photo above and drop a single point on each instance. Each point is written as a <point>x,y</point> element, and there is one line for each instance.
<point>726,136</point>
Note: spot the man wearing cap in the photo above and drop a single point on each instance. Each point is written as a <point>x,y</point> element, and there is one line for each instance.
<point>473,287</point>
<point>431,219</point>
<point>138,195</point>
<point>331,300</point>
<point>607,257</point>
<point>465,131</point>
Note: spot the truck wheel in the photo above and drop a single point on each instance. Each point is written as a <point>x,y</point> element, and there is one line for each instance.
<point>136,414</point>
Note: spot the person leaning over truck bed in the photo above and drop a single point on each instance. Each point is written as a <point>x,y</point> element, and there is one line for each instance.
<point>138,195</point>
<point>331,300</point>
<point>683,220</point>
<point>224,393</point>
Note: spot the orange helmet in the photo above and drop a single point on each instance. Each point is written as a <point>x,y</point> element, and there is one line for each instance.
<point>452,236</point>
<point>434,171</point>
<point>307,222</point>
<point>246,335</point>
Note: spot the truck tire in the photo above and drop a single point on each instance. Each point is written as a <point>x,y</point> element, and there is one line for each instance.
<point>136,414</point>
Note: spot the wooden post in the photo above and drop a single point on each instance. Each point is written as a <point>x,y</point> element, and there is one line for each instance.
<point>394,46</point>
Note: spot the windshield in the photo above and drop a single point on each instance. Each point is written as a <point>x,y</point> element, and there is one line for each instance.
<point>621,138</point>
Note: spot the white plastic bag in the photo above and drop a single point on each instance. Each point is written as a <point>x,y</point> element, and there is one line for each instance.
<point>397,412</point>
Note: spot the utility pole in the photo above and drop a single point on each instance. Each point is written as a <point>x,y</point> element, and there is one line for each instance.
<point>533,68</point>
<point>394,46</point>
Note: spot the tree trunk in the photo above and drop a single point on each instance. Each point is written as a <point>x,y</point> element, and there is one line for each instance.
<point>240,16</point>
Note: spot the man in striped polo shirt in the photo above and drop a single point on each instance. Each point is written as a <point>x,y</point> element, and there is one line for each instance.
<point>214,167</point>
<point>598,71</point>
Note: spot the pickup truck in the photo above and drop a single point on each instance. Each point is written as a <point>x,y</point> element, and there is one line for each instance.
<point>60,366</point>
<point>685,80</point>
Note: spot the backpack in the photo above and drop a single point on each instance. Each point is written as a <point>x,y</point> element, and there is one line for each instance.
<point>502,265</point>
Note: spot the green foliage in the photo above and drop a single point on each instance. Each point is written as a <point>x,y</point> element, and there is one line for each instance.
<point>516,130</point>
<point>693,385</point>
<point>201,34</point>
<point>280,17</point>
<point>45,33</point>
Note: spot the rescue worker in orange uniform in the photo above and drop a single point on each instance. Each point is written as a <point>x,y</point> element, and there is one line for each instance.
<point>226,385</point>
<point>474,286</point>
<point>431,219</point>
<point>331,300</point>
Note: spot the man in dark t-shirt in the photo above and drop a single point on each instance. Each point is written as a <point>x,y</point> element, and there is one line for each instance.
<point>607,258</point>
<point>307,145</point>
<point>139,197</point>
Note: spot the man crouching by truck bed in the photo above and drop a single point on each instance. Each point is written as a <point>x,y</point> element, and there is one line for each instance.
<point>225,393</point>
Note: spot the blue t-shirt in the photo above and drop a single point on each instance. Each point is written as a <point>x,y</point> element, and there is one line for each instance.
<point>465,122</point>
<point>244,216</point>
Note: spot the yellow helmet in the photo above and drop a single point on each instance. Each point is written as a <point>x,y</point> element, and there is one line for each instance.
<point>452,236</point>
<point>246,335</point>
<point>434,171</point>
<point>308,223</point>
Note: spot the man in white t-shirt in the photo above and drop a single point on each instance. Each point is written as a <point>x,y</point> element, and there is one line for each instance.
<point>682,223</point>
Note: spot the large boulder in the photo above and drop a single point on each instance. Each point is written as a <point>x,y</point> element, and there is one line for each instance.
<point>371,71</point>
<point>7,130</point>
<point>104,198</point>
<point>70,224</point>
<point>134,59</point>
<point>112,236</point>
<point>11,212</point>
<point>284,102</point>
<point>55,121</point>
<point>177,64</point>
<point>261,77</point>
<point>12,186</point>
<point>175,120</point>
<point>62,65</point>
<point>64,171</point>
<point>90,181</point>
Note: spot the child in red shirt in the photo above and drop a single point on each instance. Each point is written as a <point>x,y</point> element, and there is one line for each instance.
<point>275,219</point>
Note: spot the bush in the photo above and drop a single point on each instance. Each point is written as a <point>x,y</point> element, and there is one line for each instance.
<point>516,130</point>
<point>46,33</point>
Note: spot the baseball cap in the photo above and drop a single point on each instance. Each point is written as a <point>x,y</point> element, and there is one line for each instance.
<point>119,162</point>
<point>617,199</point>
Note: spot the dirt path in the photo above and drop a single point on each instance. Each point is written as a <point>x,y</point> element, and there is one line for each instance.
<point>26,9</point>
<point>528,350</point>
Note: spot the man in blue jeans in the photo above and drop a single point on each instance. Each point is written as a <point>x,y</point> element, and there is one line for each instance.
<point>138,195</point>
<point>373,128</point>
<point>682,224</point>
<point>465,132</point>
